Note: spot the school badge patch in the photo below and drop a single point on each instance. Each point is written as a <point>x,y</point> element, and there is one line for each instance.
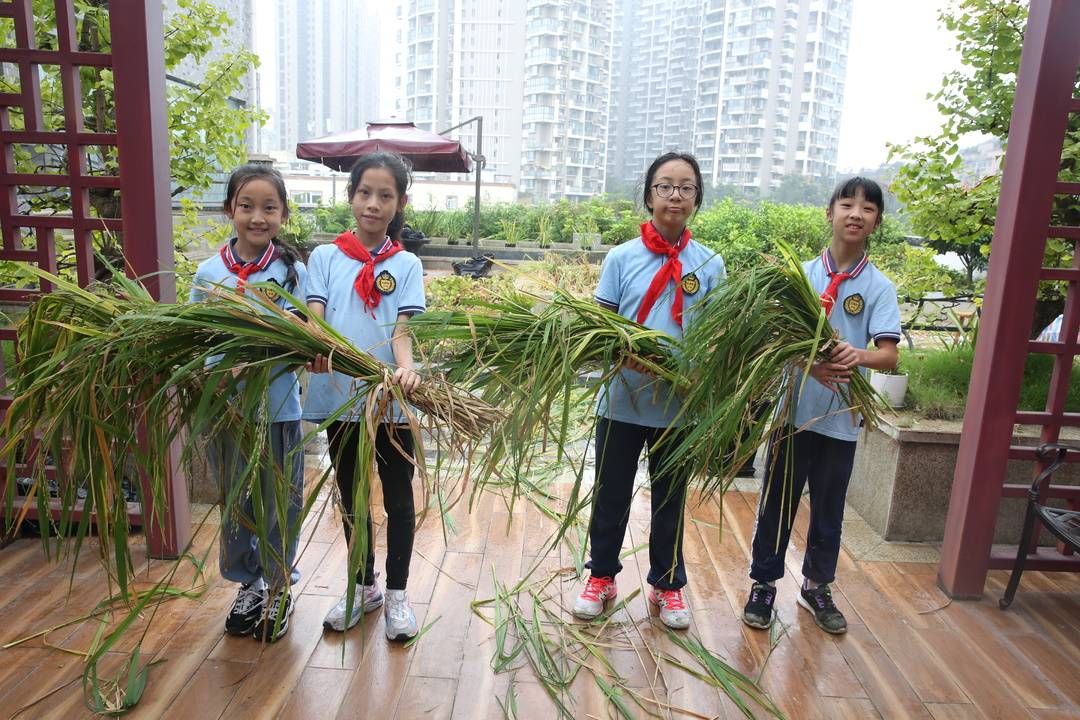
<point>690,284</point>
<point>385,282</point>
<point>854,304</point>
<point>271,294</point>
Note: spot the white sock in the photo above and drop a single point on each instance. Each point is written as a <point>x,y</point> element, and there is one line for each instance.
<point>808,584</point>
<point>259,585</point>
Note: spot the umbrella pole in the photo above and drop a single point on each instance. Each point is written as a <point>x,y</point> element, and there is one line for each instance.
<point>479,159</point>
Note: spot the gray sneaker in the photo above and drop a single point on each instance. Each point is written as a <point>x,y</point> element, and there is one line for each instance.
<point>366,599</point>
<point>400,619</point>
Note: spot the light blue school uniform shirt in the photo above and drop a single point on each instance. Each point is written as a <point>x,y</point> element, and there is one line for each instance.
<point>625,276</point>
<point>866,309</point>
<point>331,274</point>
<point>284,402</point>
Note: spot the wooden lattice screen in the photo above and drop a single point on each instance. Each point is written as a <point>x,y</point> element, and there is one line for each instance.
<point>139,142</point>
<point>1041,112</point>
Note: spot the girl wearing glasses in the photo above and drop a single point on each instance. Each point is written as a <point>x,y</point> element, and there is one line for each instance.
<point>656,280</point>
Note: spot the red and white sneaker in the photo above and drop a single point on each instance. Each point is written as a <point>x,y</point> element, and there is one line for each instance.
<point>673,610</point>
<point>590,603</point>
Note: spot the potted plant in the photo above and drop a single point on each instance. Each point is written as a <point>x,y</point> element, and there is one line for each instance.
<point>892,384</point>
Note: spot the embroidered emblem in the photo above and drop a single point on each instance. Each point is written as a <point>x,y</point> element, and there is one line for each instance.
<point>271,294</point>
<point>385,282</point>
<point>854,304</point>
<point>690,284</point>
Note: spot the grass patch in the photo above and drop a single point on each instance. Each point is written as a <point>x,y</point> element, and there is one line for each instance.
<point>938,382</point>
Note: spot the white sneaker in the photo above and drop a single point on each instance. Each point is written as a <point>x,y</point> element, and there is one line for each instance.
<point>590,603</point>
<point>400,619</point>
<point>673,610</point>
<point>366,599</point>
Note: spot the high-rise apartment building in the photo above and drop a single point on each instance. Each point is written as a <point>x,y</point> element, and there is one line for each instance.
<point>536,70</point>
<point>328,68</point>
<point>566,94</point>
<point>776,69</point>
<point>654,81</point>
<point>762,89</point>
<point>460,59</point>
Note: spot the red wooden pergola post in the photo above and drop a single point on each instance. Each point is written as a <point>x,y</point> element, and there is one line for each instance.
<point>143,150</point>
<point>1044,99</point>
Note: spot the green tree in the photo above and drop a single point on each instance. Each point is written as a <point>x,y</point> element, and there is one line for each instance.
<point>953,214</point>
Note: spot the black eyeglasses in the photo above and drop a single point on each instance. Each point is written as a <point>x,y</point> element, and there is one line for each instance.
<point>666,190</point>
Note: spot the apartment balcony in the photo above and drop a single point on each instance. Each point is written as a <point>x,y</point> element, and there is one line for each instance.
<point>539,115</point>
<point>542,26</point>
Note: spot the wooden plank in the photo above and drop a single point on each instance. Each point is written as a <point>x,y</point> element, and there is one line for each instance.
<point>997,656</point>
<point>917,663</point>
<point>428,698</point>
<point>208,692</point>
<point>186,651</point>
<point>317,695</point>
<point>991,696</point>
<point>1054,665</point>
<point>477,686</point>
<point>884,683</point>
<point>279,665</point>
<point>849,708</point>
<point>954,711</point>
<point>440,652</point>
<point>377,684</point>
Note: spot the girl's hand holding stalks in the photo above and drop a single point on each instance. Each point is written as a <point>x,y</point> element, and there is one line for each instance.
<point>407,378</point>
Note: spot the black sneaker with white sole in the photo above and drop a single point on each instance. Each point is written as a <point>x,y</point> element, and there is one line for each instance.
<point>758,612</point>
<point>820,604</point>
<point>246,611</point>
<point>275,622</point>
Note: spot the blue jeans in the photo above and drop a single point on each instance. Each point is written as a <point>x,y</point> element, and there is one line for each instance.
<point>825,464</point>
<point>243,560</point>
<point>618,446</point>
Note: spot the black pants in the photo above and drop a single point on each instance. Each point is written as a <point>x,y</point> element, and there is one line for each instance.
<point>396,472</point>
<point>618,446</point>
<point>823,462</point>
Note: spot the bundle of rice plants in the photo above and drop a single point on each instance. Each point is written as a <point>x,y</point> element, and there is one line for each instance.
<point>108,380</point>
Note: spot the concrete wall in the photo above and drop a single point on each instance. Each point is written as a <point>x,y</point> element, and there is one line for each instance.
<point>902,481</point>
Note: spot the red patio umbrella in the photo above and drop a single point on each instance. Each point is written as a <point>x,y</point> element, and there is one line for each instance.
<point>426,150</point>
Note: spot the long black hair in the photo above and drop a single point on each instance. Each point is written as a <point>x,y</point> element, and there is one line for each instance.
<point>240,177</point>
<point>399,168</point>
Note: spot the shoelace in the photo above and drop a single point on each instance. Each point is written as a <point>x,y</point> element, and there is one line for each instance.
<point>672,599</point>
<point>398,611</point>
<point>757,592</point>
<point>823,598</point>
<point>594,587</point>
<point>246,600</point>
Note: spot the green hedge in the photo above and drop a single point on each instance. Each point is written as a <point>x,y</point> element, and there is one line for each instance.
<point>938,382</point>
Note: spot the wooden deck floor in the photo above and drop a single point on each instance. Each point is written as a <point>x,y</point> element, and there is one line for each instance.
<point>909,652</point>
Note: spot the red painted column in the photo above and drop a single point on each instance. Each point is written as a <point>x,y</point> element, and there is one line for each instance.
<point>1044,91</point>
<point>143,148</point>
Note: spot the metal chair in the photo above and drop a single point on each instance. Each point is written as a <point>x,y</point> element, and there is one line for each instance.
<point>1063,524</point>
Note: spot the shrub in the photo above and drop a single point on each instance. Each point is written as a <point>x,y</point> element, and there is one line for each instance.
<point>938,382</point>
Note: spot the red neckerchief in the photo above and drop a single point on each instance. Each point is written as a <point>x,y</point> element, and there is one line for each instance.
<point>243,269</point>
<point>670,270</point>
<point>364,284</point>
<point>828,298</point>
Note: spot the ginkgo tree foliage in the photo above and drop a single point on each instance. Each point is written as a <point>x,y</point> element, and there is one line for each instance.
<point>954,214</point>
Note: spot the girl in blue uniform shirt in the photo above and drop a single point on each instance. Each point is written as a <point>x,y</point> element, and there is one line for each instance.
<point>256,203</point>
<point>656,280</point>
<point>861,305</point>
<point>366,286</point>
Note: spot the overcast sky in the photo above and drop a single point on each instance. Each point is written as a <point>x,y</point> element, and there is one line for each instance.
<point>897,55</point>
